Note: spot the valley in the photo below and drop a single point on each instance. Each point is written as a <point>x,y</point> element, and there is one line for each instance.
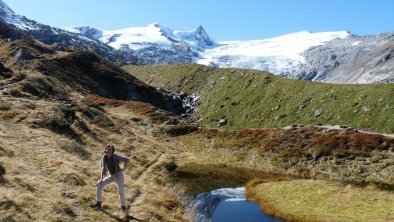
<point>200,138</point>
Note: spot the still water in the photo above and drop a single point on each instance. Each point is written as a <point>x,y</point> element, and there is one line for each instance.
<point>229,205</point>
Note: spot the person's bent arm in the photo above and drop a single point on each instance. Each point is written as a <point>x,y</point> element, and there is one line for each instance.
<point>125,163</point>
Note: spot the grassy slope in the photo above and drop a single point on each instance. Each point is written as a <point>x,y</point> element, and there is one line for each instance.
<point>309,200</point>
<point>254,99</point>
<point>50,152</point>
<point>36,127</point>
<point>309,152</point>
<point>53,128</point>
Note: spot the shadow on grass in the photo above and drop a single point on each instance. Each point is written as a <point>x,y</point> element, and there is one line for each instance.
<point>121,219</point>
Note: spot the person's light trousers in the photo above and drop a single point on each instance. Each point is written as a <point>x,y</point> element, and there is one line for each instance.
<point>119,179</point>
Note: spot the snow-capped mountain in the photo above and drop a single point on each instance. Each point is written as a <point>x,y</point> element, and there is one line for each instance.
<point>280,55</point>
<point>326,56</point>
<point>154,43</point>
<point>356,59</point>
<point>142,37</point>
<point>61,38</point>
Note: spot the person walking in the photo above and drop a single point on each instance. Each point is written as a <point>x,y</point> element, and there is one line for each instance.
<point>110,162</point>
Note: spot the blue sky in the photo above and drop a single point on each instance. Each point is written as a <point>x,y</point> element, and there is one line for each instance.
<point>222,19</point>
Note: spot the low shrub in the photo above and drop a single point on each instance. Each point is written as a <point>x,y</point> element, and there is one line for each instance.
<point>5,106</point>
<point>61,208</point>
<point>369,142</point>
<point>96,116</point>
<point>180,129</point>
<point>10,114</point>
<point>76,149</point>
<point>42,88</point>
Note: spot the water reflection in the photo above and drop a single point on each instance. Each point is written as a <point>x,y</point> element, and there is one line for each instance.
<point>229,205</point>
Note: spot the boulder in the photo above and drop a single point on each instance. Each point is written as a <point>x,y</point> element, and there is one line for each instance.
<point>222,122</point>
<point>318,112</point>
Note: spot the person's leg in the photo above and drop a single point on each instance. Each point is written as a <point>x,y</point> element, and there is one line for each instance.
<point>120,183</point>
<point>100,186</point>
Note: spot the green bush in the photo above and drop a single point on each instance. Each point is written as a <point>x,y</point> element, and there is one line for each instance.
<point>5,106</point>
<point>75,148</point>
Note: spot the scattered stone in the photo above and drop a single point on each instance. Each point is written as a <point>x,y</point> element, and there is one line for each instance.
<point>281,116</point>
<point>61,97</point>
<point>222,122</point>
<point>171,167</point>
<point>136,119</point>
<point>318,112</point>
<point>366,109</point>
<point>275,107</point>
<point>386,107</point>
<point>302,106</point>
<point>352,130</point>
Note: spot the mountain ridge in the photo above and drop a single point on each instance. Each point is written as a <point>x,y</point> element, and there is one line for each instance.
<point>324,56</point>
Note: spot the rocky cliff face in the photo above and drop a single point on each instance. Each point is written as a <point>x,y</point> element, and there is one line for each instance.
<point>357,59</point>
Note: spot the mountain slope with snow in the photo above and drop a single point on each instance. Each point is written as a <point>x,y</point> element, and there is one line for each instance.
<point>63,39</point>
<point>280,55</point>
<point>327,56</point>
<point>324,56</point>
<point>142,37</point>
<point>153,43</point>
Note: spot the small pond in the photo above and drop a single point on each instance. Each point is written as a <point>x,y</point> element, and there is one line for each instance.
<point>229,205</point>
<point>220,193</point>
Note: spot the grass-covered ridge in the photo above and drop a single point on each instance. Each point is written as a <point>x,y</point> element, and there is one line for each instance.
<point>254,99</point>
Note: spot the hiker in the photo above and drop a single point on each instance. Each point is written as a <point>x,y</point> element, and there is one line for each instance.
<point>110,162</point>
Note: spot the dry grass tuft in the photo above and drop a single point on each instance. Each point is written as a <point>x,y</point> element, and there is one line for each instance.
<point>137,107</point>
<point>75,148</point>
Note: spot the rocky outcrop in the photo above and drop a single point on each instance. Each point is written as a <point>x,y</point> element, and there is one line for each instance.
<point>357,59</point>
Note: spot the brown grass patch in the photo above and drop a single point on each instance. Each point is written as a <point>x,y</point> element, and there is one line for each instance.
<point>309,200</point>
<point>138,107</point>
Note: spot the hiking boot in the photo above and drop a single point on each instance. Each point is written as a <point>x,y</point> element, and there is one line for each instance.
<point>96,206</point>
<point>123,209</point>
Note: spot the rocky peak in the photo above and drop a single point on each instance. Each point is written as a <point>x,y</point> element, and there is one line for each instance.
<point>88,31</point>
<point>202,35</point>
<point>4,9</point>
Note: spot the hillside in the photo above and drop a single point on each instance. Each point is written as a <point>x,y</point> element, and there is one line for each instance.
<point>58,109</point>
<point>54,124</point>
<point>255,99</point>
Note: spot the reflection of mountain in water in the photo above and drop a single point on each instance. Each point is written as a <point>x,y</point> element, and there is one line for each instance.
<point>208,202</point>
